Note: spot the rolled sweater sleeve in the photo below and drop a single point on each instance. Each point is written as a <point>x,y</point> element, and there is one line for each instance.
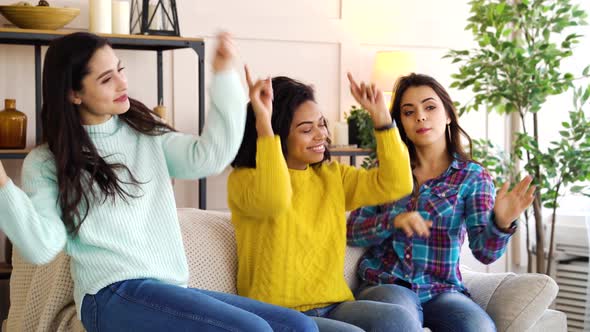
<point>31,217</point>
<point>391,180</point>
<point>191,157</point>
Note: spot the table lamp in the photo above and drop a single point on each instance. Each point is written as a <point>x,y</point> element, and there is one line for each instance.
<point>388,67</point>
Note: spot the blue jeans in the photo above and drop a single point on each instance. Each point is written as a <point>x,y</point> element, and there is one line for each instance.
<point>150,305</point>
<point>445,312</point>
<point>362,315</point>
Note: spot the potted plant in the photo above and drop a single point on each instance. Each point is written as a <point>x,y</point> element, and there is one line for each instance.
<point>360,132</point>
<point>515,67</point>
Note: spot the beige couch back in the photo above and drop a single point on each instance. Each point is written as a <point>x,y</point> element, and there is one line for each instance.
<point>211,251</point>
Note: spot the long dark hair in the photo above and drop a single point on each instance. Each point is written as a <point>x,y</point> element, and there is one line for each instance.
<point>288,95</point>
<point>77,162</point>
<point>453,132</point>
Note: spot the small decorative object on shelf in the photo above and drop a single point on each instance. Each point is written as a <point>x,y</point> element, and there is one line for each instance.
<point>120,17</point>
<point>360,132</point>
<point>154,17</point>
<point>13,127</point>
<point>160,111</point>
<point>42,16</point>
<point>99,16</point>
<point>340,134</point>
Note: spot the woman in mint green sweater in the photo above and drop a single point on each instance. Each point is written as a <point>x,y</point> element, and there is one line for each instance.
<point>99,188</point>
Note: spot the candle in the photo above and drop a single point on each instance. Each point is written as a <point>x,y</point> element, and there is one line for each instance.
<point>99,12</point>
<point>157,20</point>
<point>120,17</point>
<point>341,133</point>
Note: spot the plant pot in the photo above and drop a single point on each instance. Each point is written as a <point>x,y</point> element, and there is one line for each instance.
<point>353,132</point>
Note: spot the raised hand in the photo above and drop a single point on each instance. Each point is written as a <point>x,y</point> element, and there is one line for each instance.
<point>371,99</point>
<point>3,176</point>
<point>412,223</point>
<point>261,95</point>
<point>509,205</point>
<point>225,52</point>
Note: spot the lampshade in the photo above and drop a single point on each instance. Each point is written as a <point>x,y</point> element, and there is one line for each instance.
<point>389,66</point>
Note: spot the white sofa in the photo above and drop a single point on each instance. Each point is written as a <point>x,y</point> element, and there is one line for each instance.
<point>41,296</point>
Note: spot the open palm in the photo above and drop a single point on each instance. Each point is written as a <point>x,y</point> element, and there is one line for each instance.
<point>509,205</point>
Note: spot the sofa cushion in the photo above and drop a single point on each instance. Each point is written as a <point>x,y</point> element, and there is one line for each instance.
<point>210,248</point>
<point>351,260</point>
<point>551,320</point>
<point>481,286</point>
<point>512,312</point>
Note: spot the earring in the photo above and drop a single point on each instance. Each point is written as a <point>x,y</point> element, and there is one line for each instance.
<point>449,132</point>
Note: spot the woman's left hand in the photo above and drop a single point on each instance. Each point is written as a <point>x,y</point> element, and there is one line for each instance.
<point>371,99</point>
<point>225,52</point>
<point>509,205</point>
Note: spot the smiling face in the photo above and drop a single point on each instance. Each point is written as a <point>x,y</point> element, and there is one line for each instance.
<point>308,136</point>
<point>104,88</point>
<point>424,116</point>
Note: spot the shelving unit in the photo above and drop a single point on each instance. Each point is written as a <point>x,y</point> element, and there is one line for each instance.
<point>351,152</point>
<point>159,44</point>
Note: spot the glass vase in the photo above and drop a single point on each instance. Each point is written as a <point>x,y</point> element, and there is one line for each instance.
<point>13,127</point>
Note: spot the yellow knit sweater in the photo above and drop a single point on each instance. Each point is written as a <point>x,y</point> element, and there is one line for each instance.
<point>290,224</point>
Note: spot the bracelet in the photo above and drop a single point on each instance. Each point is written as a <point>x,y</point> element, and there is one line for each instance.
<point>389,126</point>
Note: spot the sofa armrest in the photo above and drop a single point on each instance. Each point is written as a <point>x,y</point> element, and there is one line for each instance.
<point>552,320</point>
<point>514,301</point>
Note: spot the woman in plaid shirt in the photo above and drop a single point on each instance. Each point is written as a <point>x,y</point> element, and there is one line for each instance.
<point>415,242</point>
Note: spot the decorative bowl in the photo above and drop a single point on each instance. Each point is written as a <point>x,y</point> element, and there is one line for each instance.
<point>39,17</point>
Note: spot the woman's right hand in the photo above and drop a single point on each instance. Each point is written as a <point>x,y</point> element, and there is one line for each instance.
<point>412,223</point>
<point>371,99</point>
<point>261,95</point>
<point>3,176</point>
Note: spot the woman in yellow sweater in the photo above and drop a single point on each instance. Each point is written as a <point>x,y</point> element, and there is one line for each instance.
<point>288,203</point>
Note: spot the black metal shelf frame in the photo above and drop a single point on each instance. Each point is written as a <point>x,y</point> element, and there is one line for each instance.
<point>38,38</point>
<point>352,154</point>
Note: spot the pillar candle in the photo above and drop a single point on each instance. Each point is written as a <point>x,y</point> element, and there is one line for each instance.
<point>99,12</point>
<point>157,21</point>
<point>120,17</point>
<point>341,133</point>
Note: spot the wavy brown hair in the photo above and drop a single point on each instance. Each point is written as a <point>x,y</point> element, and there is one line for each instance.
<point>77,162</point>
<point>454,131</point>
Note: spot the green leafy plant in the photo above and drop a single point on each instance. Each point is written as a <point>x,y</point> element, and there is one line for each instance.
<point>361,120</point>
<point>516,66</point>
<point>494,159</point>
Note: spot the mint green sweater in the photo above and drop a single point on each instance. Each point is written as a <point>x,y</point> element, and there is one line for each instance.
<point>118,240</point>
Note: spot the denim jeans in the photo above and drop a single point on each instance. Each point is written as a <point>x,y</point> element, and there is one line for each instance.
<point>150,305</point>
<point>445,312</point>
<point>362,315</point>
